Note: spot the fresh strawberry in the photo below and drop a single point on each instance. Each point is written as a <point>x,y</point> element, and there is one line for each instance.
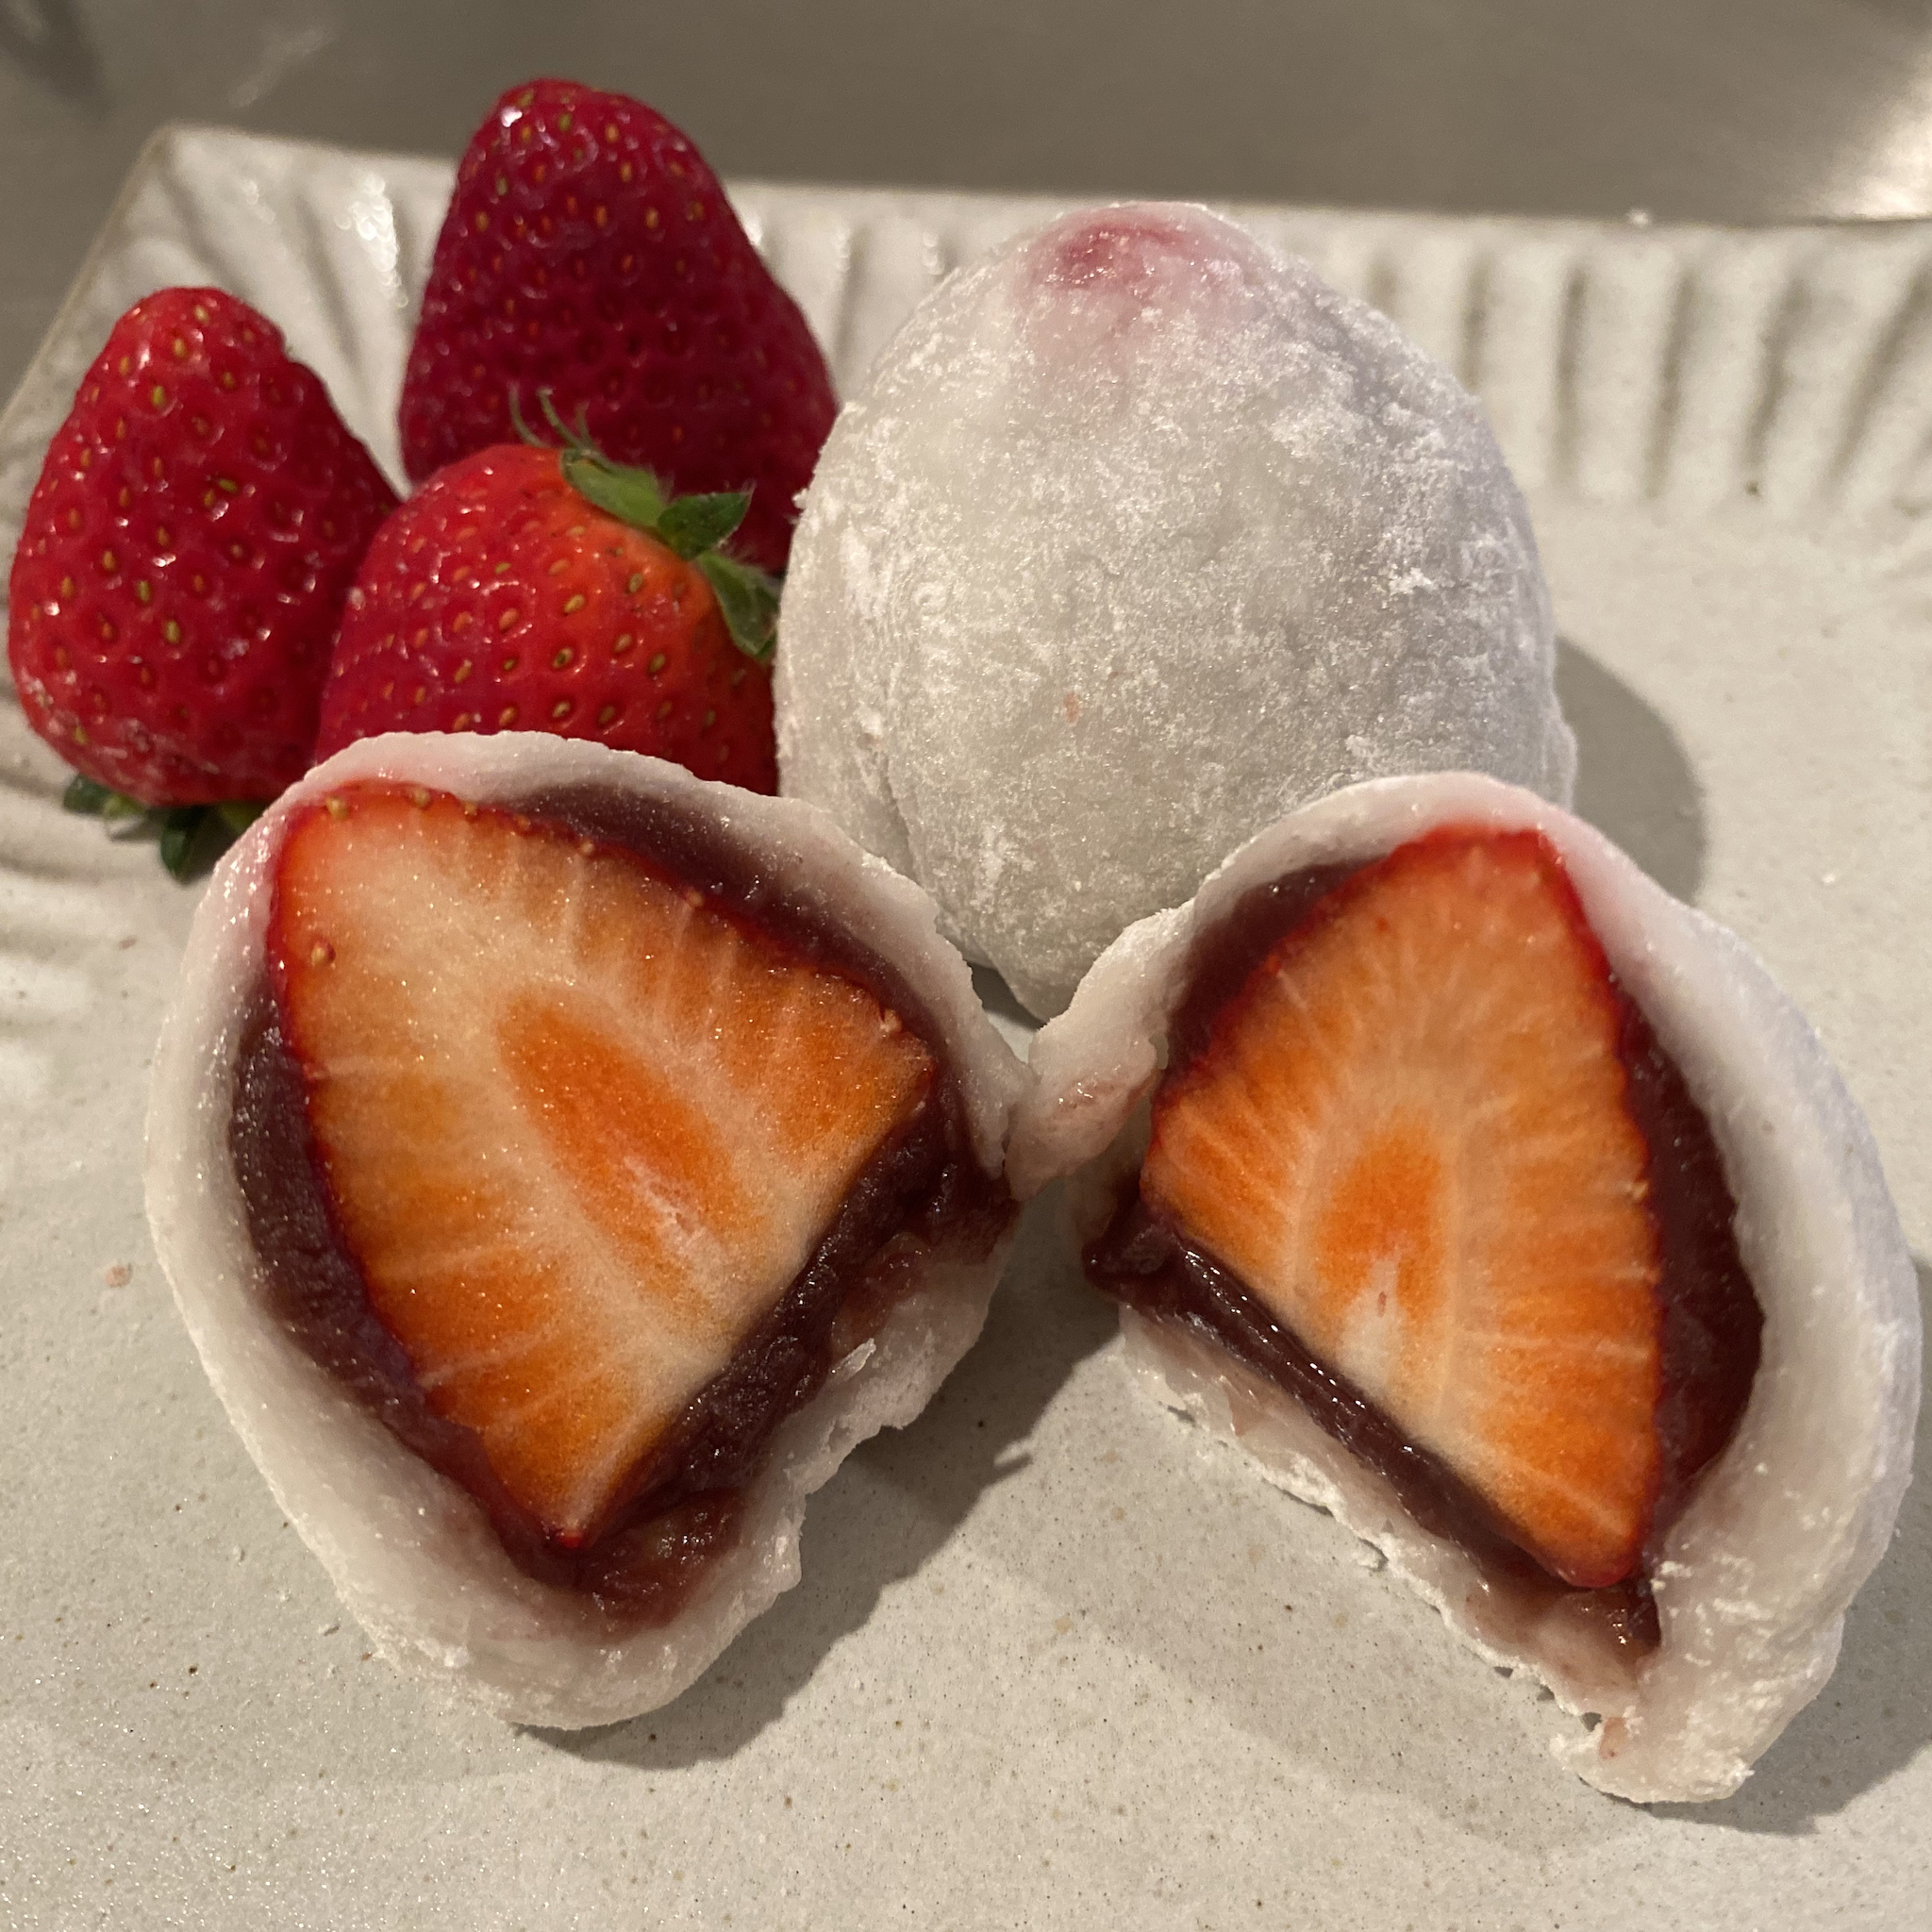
<point>185,556</point>
<point>528,589</point>
<point>580,1127</point>
<point>590,250</point>
<point>1409,1133</point>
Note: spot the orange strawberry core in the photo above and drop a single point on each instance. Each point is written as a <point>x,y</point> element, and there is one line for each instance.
<point>581,1128</point>
<point>1383,1225</point>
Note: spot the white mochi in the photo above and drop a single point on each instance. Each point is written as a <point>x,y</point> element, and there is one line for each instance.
<point>1138,537</point>
<point>411,1552</point>
<point>1754,1578</point>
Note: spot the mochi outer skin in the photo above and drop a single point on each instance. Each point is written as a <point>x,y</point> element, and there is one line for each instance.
<point>411,1552</point>
<point>1752,1580</point>
<point>1138,537</point>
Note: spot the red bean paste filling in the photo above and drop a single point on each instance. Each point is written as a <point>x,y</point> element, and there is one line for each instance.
<point>1712,1324</point>
<point>923,1190</point>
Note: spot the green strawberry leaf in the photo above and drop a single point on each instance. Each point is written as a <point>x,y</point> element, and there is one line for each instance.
<point>690,528</point>
<point>632,496</point>
<point>95,800</point>
<point>87,795</point>
<point>192,837</point>
<point>749,601</point>
<point>567,437</point>
<point>180,835</point>
<point>238,815</point>
<point>692,524</point>
<point>579,437</point>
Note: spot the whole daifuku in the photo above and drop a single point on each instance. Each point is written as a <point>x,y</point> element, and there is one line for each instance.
<point>1139,536</point>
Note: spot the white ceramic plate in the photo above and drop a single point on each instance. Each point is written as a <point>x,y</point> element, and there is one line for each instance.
<point>1055,1661</point>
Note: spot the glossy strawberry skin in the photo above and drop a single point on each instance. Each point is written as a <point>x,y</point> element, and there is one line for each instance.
<point>185,556</point>
<point>497,599</point>
<point>590,250</point>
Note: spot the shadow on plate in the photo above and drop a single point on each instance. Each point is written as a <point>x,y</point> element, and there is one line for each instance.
<point>898,1498</point>
<point>1634,782</point>
<point>1011,1021</point>
<point>1875,1716</point>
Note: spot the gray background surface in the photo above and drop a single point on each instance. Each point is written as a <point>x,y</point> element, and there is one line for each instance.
<point>1724,109</point>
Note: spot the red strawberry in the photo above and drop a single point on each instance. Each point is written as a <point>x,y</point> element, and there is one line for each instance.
<point>580,1128</point>
<point>590,250</point>
<point>527,589</point>
<point>1409,1134</point>
<point>185,556</point>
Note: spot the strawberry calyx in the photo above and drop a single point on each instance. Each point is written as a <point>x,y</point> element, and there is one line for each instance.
<point>692,527</point>
<point>190,837</point>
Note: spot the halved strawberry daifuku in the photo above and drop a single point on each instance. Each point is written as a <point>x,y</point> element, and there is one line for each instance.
<point>580,1127</point>
<point>1414,942</point>
<point>1409,1135</point>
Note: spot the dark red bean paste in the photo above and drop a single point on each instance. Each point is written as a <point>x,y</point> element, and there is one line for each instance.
<point>1712,1324</point>
<point>684,1505</point>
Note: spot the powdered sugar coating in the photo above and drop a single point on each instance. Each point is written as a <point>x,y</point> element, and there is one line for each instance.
<point>1754,1578</point>
<point>411,1552</point>
<point>1138,537</point>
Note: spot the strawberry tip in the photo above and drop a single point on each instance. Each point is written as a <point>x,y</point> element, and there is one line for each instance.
<point>748,601</point>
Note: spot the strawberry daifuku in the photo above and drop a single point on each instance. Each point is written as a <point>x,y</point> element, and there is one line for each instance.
<point>590,250</point>
<point>1139,536</point>
<point>1500,1204</point>
<point>561,1163</point>
<point>184,558</point>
